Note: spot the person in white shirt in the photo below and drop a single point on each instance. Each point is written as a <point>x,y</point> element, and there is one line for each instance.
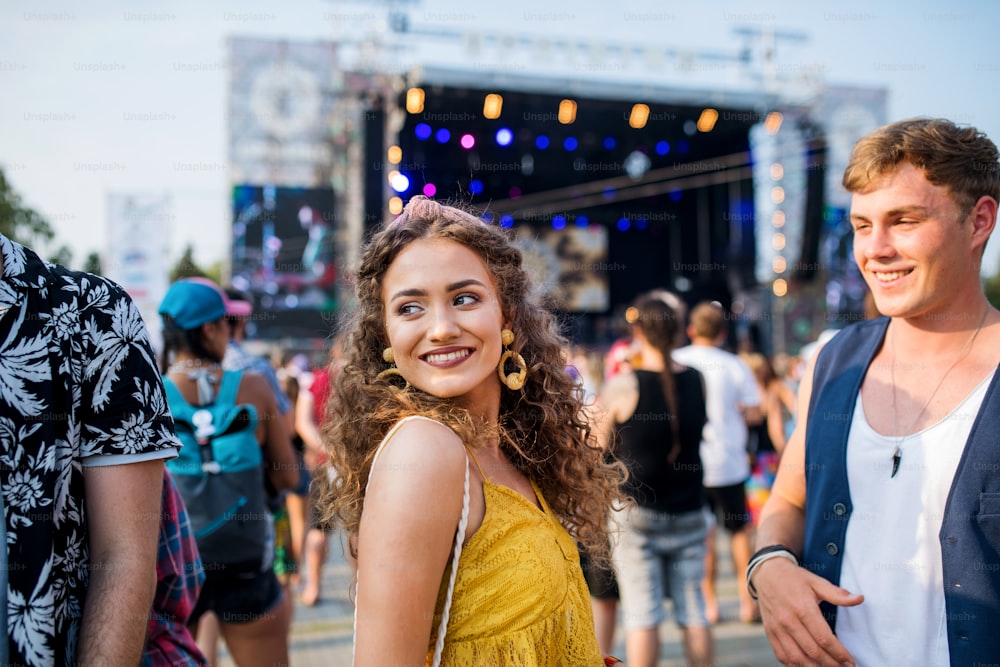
<point>733,402</point>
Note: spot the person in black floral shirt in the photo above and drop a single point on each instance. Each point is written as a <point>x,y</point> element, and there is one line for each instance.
<point>84,431</point>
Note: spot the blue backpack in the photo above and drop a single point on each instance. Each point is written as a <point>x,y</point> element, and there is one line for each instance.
<point>220,475</point>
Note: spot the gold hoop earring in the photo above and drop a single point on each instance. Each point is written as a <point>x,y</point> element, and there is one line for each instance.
<point>390,358</point>
<point>513,381</point>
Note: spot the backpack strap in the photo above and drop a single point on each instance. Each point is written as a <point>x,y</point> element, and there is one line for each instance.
<point>179,407</point>
<point>229,387</point>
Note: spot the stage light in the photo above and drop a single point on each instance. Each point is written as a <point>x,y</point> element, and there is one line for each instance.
<point>640,114</point>
<point>777,171</point>
<point>706,122</point>
<point>527,165</point>
<point>778,219</point>
<point>467,141</point>
<point>567,112</point>
<point>430,189</point>
<point>623,224</point>
<point>423,131</point>
<point>631,314</point>
<point>608,193</point>
<point>558,222</point>
<point>492,106</point>
<point>394,154</point>
<point>582,221</point>
<point>398,182</point>
<point>779,264</point>
<point>504,136</point>
<point>395,206</point>
<point>476,186</point>
<point>637,164</point>
<point>487,217</point>
<point>778,241</point>
<point>683,147</point>
<point>662,147</point>
<point>780,287</point>
<point>777,194</point>
<point>570,143</point>
<point>506,221</point>
<point>415,100</point>
<point>442,136</point>
<point>541,142</point>
<point>675,195</point>
<point>773,122</point>
<point>641,223</point>
<point>610,143</point>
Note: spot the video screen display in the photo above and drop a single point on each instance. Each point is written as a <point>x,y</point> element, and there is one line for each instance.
<point>283,257</point>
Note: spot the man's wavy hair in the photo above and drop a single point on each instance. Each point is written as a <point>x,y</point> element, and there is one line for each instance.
<point>961,159</point>
<point>542,428</point>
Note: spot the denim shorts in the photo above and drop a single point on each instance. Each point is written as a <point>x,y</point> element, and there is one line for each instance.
<point>658,554</point>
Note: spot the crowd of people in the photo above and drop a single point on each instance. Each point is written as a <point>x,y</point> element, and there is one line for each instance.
<point>506,497</point>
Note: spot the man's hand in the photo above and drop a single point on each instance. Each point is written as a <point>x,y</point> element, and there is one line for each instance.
<point>789,598</point>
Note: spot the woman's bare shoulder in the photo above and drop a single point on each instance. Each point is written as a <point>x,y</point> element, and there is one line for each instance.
<point>424,450</point>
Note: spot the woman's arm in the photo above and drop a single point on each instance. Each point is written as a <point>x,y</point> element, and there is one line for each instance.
<point>307,428</point>
<point>411,512</point>
<point>615,404</point>
<point>775,416</point>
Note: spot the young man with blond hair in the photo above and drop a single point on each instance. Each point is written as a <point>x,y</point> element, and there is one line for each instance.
<point>882,533</point>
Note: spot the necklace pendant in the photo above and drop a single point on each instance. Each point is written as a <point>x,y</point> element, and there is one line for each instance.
<point>897,456</point>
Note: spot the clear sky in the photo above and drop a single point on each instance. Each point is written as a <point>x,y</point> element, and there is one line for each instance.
<point>75,77</point>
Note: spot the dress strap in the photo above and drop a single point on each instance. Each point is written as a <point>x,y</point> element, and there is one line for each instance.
<point>476,461</point>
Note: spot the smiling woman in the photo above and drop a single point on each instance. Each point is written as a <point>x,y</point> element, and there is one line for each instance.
<point>449,571</point>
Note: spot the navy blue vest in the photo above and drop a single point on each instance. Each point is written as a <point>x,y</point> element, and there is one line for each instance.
<point>970,530</point>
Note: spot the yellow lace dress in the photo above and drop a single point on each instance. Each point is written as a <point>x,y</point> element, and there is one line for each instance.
<point>520,597</point>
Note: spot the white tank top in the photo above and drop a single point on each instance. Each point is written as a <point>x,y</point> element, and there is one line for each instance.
<point>891,552</point>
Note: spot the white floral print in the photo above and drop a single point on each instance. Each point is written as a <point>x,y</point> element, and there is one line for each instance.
<point>77,380</point>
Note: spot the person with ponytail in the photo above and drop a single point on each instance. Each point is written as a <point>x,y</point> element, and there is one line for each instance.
<point>651,418</point>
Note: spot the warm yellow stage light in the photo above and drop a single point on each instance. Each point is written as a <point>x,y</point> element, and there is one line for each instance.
<point>567,112</point>
<point>773,122</point>
<point>706,122</point>
<point>415,100</point>
<point>639,116</point>
<point>492,106</point>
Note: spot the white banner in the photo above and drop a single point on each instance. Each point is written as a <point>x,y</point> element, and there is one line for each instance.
<point>281,111</point>
<point>137,251</point>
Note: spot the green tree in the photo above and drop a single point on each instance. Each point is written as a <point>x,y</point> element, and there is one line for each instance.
<point>93,264</point>
<point>19,222</point>
<point>186,267</point>
<point>991,286</point>
<point>63,256</point>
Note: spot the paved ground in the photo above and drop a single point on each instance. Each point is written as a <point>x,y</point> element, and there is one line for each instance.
<point>321,635</point>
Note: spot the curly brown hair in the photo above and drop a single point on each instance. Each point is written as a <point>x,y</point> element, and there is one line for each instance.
<point>542,428</point>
